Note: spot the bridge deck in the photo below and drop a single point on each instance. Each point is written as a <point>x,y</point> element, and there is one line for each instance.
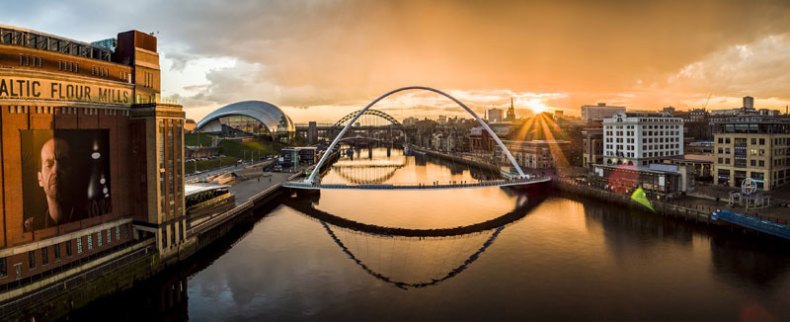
<point>339,186</point>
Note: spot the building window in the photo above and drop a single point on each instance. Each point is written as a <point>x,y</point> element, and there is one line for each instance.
<point>3,267</point>
<point>117,233</point>
<point>56,251</point>
<point>109,236</point>
<point>79,245</point>
<point>98,239</point>
<point>173,237</point>
<point>44,256</point>
<point>90,242</point>
<point>68,248</point>
<point>31,259</point>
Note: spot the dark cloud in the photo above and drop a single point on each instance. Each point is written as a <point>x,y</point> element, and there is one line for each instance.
<point>304,53</point>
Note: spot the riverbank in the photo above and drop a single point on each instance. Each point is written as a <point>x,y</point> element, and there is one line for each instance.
<point>71,290</point>
<point>688,209</point>
<point>658,206</point>
<point>466,161</point>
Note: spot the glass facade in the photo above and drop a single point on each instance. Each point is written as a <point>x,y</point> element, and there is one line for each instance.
<point>240,125</point>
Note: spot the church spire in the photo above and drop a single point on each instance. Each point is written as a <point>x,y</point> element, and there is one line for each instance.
<point>511,112</point>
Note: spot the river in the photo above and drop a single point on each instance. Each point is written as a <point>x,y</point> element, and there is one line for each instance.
<point>560,258</point>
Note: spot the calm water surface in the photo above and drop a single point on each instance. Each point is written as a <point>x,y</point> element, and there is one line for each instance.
<point>565,259</point>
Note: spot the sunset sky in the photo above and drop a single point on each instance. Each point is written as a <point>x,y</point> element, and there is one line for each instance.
<point>319,60</point>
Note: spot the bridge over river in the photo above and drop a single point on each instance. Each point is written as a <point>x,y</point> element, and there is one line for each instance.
<point>439,186</point>
<point>313,180</point>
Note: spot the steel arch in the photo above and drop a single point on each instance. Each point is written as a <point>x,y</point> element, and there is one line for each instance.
<point>372,112</point>
<point>311,179</point>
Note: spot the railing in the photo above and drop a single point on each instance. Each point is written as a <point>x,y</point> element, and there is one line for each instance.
<point>754,223</point>
<point>451,185</point>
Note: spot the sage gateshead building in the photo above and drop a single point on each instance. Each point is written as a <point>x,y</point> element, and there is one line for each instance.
<point>91,155</point>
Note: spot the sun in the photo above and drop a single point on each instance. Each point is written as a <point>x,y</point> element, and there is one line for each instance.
<point>537,106</point>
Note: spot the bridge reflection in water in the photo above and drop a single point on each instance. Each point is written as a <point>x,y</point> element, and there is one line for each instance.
<point>413,257</point>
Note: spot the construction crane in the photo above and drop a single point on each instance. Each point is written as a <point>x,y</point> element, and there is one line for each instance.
<point>706,102</point>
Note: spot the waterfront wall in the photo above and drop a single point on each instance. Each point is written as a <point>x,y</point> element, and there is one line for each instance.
<point>664,208</point>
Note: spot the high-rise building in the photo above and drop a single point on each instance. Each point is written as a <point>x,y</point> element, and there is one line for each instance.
<point>641,138</point>
<point>596,113</point>
<point>92,157</point>
<point>494,115</point>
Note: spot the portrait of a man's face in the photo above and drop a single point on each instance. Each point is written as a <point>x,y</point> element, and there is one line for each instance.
<point>65,176</point>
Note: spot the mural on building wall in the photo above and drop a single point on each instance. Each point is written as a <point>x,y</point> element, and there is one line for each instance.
<point>65,175</point>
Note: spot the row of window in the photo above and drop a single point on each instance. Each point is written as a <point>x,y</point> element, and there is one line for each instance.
<point>782,162</point>
<point>741,162</point>
<point>644,147</point>
<point>753,152</point>
<point>779,177</point>
<point>647,127</point>
<point>100,71</point>
<point>645,133</point>
<point>644,155</point>
<point>104,237</point>
<point>644,140</point>
<point>68,66</point>
<point>148,79</point>
<point>757,141</point>
<point>30,61</point>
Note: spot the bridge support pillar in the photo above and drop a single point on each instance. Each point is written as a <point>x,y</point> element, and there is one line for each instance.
<point>389,151</point>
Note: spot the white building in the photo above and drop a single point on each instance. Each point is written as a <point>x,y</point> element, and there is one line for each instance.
<point>641,138</point>
<point>495,115</point>
<point>593,113</point>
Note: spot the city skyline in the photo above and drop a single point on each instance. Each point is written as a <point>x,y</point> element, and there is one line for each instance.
<point>546,56</point>
<point>551,164</point>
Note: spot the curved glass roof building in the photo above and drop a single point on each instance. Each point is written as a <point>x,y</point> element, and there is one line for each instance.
<point>247,118</point>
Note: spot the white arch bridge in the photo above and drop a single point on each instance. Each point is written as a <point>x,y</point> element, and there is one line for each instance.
<point>312,182</point>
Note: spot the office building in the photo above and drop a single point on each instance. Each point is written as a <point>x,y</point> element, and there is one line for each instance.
<point>494,115</point>
<point>641,138</point>
<point>752,146</point>
<point>596,113</point>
